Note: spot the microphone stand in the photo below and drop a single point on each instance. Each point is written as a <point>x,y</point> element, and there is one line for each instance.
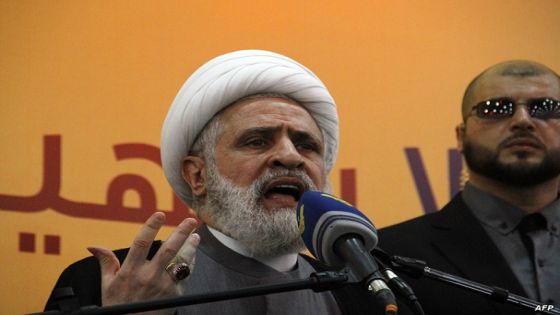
<point>417,268</point>
<point>317,281</point>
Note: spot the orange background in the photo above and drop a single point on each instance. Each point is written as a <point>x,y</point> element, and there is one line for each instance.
<point>101,73</point>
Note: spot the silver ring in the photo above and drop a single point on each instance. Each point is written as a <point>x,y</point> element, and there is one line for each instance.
<point>178,270</point>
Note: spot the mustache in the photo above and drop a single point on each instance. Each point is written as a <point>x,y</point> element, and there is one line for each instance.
<point>521,134</point>
<point>270,174</point>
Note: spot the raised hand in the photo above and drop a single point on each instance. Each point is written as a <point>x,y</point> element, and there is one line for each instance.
<point>140,279</point>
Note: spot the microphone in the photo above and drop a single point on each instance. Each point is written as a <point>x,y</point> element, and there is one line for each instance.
<point>338,234</point>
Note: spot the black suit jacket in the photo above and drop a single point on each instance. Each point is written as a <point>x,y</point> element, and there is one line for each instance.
<point>453,241</point>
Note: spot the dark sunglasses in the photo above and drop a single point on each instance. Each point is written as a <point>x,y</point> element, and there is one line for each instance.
<point>500,108</point>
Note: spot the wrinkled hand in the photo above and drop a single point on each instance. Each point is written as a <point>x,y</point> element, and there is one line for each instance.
<point>140,279</point>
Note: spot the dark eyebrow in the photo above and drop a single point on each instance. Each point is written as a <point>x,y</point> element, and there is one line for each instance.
<point>268,132</point>
<point>261,131</point>
<point>299,136</point>
<point>302,135</point>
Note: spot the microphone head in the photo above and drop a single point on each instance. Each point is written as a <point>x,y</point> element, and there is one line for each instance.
<point>323,218</point>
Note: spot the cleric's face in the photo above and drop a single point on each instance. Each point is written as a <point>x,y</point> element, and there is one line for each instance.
<point>268,153</point>
<point>263,134</point>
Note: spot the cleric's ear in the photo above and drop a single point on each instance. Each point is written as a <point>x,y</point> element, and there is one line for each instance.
<point>194,173</point>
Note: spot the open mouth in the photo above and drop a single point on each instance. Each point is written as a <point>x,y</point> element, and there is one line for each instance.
<point>285,187</point>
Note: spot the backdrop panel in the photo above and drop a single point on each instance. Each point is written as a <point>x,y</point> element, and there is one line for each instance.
<point>85,86</point>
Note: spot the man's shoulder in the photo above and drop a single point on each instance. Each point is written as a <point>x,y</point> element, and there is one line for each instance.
<point>453,211</point>
<point>417,237</point>
<point>418,223</point>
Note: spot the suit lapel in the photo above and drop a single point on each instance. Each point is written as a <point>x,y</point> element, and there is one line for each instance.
<point>467,246</point>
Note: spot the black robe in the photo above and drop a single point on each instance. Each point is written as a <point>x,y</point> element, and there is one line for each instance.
<point>84,278</point>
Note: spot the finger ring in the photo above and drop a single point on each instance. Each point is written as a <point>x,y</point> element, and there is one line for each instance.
<point>178,270</point>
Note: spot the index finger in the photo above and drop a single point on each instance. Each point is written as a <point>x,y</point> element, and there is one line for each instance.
<point>176,240</point>
<point>143,241</point>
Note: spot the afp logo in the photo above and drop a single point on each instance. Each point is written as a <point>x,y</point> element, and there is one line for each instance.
<point>544,307</point>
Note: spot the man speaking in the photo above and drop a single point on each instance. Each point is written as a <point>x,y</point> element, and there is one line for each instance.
<point>247,134</point>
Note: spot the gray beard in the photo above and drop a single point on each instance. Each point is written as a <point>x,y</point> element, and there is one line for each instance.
<point>238,212</point>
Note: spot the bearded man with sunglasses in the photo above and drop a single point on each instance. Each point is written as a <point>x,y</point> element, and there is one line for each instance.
<point>503,229</point>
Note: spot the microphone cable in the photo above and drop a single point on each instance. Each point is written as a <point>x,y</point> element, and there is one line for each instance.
<point>396,283</point>
<point>351,248</point>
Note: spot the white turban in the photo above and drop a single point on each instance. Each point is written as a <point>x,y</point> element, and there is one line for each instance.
<point>228,78</point>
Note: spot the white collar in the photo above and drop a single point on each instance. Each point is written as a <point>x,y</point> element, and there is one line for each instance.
<point>281,263</point>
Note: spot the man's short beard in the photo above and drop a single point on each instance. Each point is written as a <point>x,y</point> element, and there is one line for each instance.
<point>486,162</point>
<point>239,213</point>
